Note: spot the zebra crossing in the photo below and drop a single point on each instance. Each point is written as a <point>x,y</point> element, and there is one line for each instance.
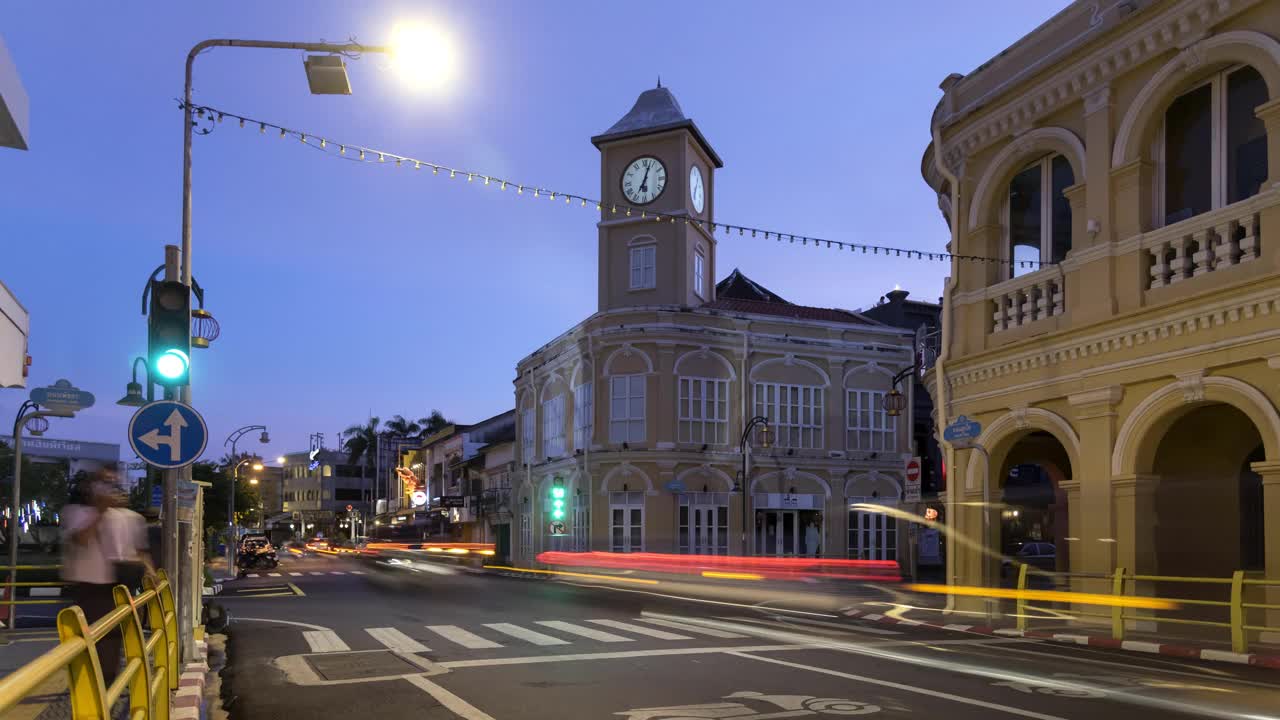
<point>492,636</point>
<point>301,574</point>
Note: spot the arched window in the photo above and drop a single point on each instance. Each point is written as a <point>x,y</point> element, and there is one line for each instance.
<point>1212,148</point>
<point>1037,215</point>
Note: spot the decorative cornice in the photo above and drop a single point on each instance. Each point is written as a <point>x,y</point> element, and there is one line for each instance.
<point>1096,403</point>
<point>1150,331</point>
<point>1019,414</point>
<point>1273,362</point>
<point>1099,99</point>
<point>1183,23</point>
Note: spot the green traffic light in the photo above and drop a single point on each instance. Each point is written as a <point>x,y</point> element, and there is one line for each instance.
<point>172,364</point>
<point>557,514</point>
<point>557,493</point>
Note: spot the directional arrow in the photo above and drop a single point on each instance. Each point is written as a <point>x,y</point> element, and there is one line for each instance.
<point>153,439</point>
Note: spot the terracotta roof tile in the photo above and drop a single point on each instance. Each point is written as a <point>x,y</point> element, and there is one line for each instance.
<point>799,312</point>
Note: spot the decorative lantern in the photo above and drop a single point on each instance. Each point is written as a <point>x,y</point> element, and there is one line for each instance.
<point>894,403</point>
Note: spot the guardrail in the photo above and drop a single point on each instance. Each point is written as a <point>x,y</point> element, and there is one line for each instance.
<point>151,658</point>
<point>9,598</point>
<point>1236,606</point>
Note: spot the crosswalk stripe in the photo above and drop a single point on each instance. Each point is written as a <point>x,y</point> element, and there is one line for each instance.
<point>273,574</point>
<point>336,572</point>
<point>251,575</point>
<point>396,640</point>
<point>357,572</point>
<point>691,628</point>
<point>296,574</point>
<point>660,634</point>
<point>324,641</point>
<point>516,631</point>
<point>313,572</point>
<point>462,637</point>
<point>585,632</point>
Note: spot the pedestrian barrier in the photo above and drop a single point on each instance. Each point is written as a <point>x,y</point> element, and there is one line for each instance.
<point>151,659</point>
<point>9,600</point>
<point>1124,584</point>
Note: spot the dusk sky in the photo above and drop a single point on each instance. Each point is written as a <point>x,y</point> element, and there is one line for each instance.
<point>345,290</point>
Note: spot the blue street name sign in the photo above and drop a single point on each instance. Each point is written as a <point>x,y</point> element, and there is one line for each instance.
<point>62,395</point>
<point>675,486</point>
<point>963,431</point>
<point>167,434</point>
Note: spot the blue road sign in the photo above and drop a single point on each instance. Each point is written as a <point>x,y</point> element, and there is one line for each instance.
<point>167,434</point>
<point>962,431</point>
<point>157,495</point>
<point>62,395</point>
<point>675,486</point>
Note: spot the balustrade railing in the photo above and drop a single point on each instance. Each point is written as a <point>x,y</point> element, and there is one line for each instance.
<point>1036,298</point>
<point>1218,241</point>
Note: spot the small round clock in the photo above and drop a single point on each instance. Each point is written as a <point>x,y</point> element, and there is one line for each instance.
<point>644,180</point>
<point>697,193</point>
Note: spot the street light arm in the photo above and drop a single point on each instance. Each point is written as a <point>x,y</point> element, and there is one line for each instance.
<point>746,431</point>
<point>239,433</point>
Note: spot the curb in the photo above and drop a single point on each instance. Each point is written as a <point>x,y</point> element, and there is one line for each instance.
<point>188,699</point>
<point>1185,652</point>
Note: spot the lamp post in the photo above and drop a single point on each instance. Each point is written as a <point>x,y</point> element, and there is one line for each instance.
<point>232,439</point>
<point>744,485</point>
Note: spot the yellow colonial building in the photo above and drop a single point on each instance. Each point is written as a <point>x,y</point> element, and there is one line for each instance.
<point>634,419</point>
<point>1118,169</point>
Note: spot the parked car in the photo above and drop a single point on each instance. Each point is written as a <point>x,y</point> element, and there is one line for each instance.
<point>1039,555</point>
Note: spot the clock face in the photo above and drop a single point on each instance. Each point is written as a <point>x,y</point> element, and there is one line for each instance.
<point>697,194</point>
<point>644,180</point>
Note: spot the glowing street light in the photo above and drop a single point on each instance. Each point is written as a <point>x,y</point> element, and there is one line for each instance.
<point>423,55</point>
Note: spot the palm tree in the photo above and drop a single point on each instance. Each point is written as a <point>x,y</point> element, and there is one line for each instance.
<point>361,441</point>
<point>433,423</point>
<point>398,426</point>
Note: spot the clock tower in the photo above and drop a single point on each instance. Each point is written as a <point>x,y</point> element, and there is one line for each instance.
<point>657,177</point>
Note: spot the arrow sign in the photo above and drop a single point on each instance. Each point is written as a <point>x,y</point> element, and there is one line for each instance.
<point>167,434</point>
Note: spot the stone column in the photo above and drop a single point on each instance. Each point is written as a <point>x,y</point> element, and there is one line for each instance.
<point>1270,472</point>
<point>1134,499</point>
<point>662,423</point>
<point>1095,415</point>
<point>1269,113</point>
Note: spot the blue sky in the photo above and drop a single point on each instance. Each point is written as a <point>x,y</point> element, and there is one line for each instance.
<point>347,289</point>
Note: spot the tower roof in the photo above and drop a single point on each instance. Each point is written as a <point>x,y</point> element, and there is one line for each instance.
<point>655,111</point>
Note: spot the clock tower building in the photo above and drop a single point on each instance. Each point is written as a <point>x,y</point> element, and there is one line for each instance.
<point>657,181</point>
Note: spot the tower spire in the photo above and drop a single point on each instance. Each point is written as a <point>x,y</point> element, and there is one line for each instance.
<point>659,80</point>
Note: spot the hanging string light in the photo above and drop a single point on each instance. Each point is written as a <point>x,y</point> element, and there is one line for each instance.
<point>214,116</point>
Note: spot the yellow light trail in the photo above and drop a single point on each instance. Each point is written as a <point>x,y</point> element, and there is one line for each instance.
<point>1048,596</point>
<point>731,575</point>
<point>614,578</point>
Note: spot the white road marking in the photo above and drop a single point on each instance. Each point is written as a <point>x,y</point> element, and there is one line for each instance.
<point>516,631</point>
<point>957,627</point>
<point>248,575</point>
<point>457,705</point>
<point>336,572</point>
<point>294,574</point>
<point>691,628</point>
<point>273,574</point>
<point>322,641</point>
<point>282,622</point>
<point>900,686</point>
<point>462,637</point>
<point>577,657</point>
<point>313,572</point>
<point>660,634</point>
<point>834,626</point>
<point>687,598</point>
<point>585,632</point>
<point>1148,665</point>
<point>396,640</point>
<point>357,572</point>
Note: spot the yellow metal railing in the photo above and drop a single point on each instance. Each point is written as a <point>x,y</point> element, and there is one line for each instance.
<point>1123,584</point>
<point>151,660</point>
<point>12,599</point>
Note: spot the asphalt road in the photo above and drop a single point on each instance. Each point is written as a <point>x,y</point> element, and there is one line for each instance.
<point>335,638</point>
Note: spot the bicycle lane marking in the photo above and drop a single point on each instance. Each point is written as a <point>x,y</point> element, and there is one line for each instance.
<point>905,688</point>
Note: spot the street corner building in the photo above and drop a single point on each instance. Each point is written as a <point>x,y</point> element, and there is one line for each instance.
<point>1115,176</point>
<point>635,427</point>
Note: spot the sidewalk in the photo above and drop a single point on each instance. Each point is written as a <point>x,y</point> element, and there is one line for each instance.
<point>928,610</point>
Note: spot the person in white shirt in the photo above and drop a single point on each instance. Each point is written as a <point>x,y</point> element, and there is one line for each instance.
<point>100,537</point>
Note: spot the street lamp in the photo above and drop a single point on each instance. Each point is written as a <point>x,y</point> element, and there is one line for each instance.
<point>764,438</point>
<point>232,439</point>
<point>133,391</point>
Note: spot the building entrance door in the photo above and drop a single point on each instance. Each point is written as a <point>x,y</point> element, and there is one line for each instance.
<point>777,532</point>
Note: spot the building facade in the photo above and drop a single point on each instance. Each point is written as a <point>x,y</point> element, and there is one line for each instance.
<point>634,419</point>
<point>1135,152</point>
<point>318,488</point>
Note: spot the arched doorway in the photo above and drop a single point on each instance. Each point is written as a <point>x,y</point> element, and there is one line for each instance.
<point>1208,510</point>
<point>1033,515</point>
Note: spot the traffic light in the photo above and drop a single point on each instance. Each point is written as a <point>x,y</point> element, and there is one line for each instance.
<point>557,502</point>
<point>169,334</point>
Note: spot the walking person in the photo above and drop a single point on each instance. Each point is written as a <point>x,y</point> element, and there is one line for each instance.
<point>102,543</point>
